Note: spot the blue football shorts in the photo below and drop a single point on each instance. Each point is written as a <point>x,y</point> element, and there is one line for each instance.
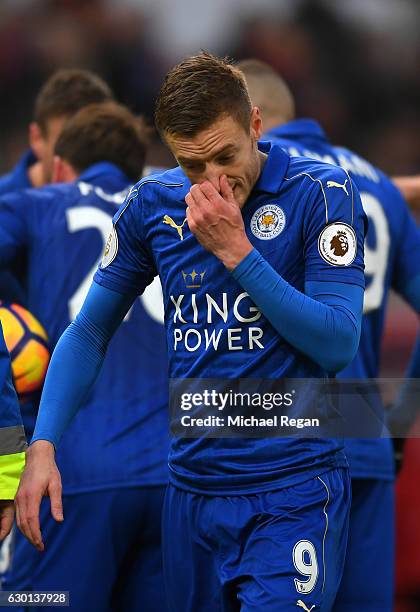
<point>269,552</point>
<point>106,553</point>
<point>368,579</point>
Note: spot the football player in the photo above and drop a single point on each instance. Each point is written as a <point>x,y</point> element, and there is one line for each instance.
<point>63,94</point>
<point>250,523</point>
<point>12,442</point>
<point>391,260</point>
<point>113,459</point>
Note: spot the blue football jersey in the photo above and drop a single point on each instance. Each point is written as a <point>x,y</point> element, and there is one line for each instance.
<point>391,260</point>
<point>120,435</point>
<point>213,328</point>
<point>18,177</point>
<point>9,407</point>
<point>15,180</point>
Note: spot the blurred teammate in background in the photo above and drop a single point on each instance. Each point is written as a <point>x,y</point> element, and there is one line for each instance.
<point>257,524</point>
<point>12,442</point>
<point>410,188</point>
<point>63,94</point>
<point>391,260</point>
<point>113,459</point>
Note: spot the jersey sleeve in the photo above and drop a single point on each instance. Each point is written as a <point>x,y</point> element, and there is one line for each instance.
<point>12,435</point>
<point>127,264</point>
<point>14,216</point>
<point>406,266</point>
<point>334,228</point>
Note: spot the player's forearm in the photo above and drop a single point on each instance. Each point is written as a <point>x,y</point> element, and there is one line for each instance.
<point>77,359</point>
<point>410,188</point>
<point>326,329</point>
<point>74,366</point>
<point>411,293</point>
<point>405,410</point>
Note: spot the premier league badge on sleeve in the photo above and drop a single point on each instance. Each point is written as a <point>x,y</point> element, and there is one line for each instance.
<point>268,221</point>
<point>111,249</point>
<point>337,244</point>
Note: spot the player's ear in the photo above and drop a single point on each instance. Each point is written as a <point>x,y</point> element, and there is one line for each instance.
<point>256,123</point>
<point>36,140</point>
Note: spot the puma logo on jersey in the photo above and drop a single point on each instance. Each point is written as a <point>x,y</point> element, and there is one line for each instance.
<point>334,184</point>
<point>300,604</point>
<point>169,221</point>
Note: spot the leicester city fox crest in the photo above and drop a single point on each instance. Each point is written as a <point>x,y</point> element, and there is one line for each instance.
<point>268,221</point>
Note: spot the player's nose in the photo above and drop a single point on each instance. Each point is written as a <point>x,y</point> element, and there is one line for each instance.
<point>213,175</point>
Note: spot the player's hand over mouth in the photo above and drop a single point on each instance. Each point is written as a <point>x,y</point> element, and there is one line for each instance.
<point>40,477</point>
<point>216,221</point>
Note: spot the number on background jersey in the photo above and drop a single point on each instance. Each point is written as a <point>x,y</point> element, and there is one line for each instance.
<point>80,218</point>
<point>305,561</point>
<point>376,259</point>
<point>90,217</point>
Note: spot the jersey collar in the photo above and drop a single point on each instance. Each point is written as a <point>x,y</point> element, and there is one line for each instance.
<point>99,170</point>
<point>21,171</point>
<point>299,130</point>
<point>274,169</point>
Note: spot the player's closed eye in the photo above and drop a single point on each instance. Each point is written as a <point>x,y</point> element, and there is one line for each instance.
<point>193,167</point>
<point>223,161</point>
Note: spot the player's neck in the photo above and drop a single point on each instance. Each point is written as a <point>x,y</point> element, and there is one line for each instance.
<point>35,174</point>
<point>262,157</point>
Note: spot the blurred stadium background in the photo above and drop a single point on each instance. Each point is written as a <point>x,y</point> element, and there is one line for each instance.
<point>354,66</point>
